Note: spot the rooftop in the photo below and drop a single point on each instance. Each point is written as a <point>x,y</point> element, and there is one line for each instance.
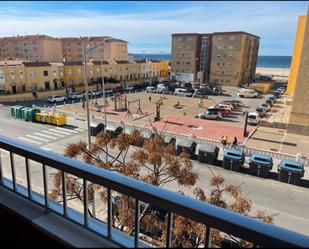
<point>36,64</point>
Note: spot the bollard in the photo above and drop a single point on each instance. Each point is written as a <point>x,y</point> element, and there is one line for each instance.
<point>72,101</point>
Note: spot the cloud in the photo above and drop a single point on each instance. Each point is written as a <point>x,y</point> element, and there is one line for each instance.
<point>151,29</point>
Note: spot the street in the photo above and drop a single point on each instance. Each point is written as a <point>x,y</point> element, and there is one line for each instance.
<point>291,202</point>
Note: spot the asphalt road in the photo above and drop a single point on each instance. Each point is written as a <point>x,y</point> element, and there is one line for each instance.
<point>291,202</point>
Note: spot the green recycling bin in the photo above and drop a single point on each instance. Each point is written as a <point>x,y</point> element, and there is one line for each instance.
<point>13,110</point>
<point>18,114</point>
<point>24,113</point>
<point>30,115</point>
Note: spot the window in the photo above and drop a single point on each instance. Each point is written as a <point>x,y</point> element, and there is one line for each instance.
<point>61,73</point>
<point>1,76</point>
<point>218,55</point>
<point>45,73</point>
<point>79,71</point>
<point>179,39</point>
<point>21,75</point>
<point>32,74</point>
<point>218,63</point>
<point>70,71</point>
<point>232,38</point>
<point>26,50</point>
<point>219,47</point>
<point>55,73</point>
<point>231,47</point>
<point>35,49</point>
<point>220,38</point>
<point>189,39</point>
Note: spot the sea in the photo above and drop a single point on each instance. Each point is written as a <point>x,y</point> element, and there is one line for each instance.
<point>263,60</point>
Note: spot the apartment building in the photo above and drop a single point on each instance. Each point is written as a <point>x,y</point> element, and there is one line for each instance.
<point>31,48</point>
<point>108,49</point>
<point>233,57</point>
<point>299,117</point>
<point>227,58</point>
<point>18,76</point>
<point>185,56</point>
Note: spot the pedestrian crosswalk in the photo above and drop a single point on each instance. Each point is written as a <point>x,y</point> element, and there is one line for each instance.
<point>49,135</point>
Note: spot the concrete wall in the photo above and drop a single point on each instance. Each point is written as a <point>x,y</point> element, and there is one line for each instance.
<point>296,54</point>
<point>300,107</point>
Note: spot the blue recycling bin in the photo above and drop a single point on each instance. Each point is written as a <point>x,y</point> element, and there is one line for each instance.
<point>291,171</point>
<point>260,165</point>
<point>233,158</point>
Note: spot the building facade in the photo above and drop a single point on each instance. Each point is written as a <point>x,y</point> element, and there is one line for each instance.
<point>299,117</point>
<point>234,58</point>
<point>31,48</point>
<point>227,58</point>
<point>298,43</point>
<point>18,76</point>
<point>185,56</point>
<point>108,49</point>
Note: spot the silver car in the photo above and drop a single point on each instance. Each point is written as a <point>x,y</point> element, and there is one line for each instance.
<point>75,95</point>
<point>210,115</point>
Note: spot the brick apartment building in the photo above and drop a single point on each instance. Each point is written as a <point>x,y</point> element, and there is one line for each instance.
<point>227,58</point>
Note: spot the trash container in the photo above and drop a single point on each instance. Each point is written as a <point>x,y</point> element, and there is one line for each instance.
<point>24,112</point>
<point>207,153</point>
<point>59,119</point>
<point>95,128</point>
<point>43,117</point>
<point>169,140</point>
<point>38,117</point>
<point>13,110</point>
<point>291,171</point>
<point>18,113</point>
<point>113,130</point>
<point>31,114</point>
<point>188,146</point>
<point>260,165</point>
<point>48,118</point>
<point>234,158</point>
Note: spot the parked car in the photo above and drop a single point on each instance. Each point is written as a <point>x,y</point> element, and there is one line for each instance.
<point>182,92</point>
<point>273,98</point>
<point>261,111</point>
<point>94,92</point>
<point>266,106</point>
<point>199,93</point>
<point>225,106</point>
<point>270,102</point>
<point>224,112</point>
<point>247,93</point>
<point>150,89</point>
<point>239,103</point>
<point>232,106</point>
<point>56,98</point>
<point>217,90</point>
<point>161,87</point>
<point>75,95</point>
<point>228,102</point>
<point>253,118</point>
<point>210,115</point>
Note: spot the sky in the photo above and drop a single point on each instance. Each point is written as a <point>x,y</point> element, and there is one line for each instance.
<point>148,26</point>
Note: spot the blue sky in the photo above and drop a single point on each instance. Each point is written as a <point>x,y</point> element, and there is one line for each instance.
<point>148,25</point>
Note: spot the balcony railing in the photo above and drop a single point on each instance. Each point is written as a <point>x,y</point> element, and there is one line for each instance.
<point>257,232</point>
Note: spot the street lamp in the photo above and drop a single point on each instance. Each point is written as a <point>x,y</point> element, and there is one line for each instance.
<point>87,50</point>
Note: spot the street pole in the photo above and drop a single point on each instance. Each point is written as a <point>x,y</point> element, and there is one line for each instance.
<point>245,125</point>
<point>86,92</point>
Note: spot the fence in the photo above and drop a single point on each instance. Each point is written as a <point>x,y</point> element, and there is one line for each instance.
<point>212,217</point>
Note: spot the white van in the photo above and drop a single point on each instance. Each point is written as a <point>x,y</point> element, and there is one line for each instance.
<point>253,118</point>
<point>247,93</point>
<point>182,92</point>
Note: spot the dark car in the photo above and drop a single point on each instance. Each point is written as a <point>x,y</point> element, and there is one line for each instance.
<point>261,111</point>
<point>269,101</point>
<point>273,98</point>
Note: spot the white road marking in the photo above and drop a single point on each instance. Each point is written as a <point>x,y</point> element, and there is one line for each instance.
<point>44,135</point>
<point>63,129</point>
<point>29,140</point>
<point>52,133</point>
<point>38,138</point>
<point>78,129</point>
<point>61,132</point>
